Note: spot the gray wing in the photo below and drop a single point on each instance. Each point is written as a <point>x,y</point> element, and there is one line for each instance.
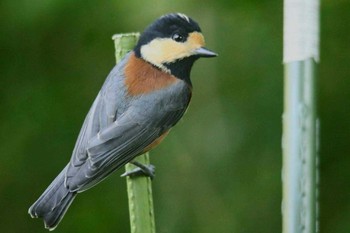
<point>118,144</point>
<point>109,102</point>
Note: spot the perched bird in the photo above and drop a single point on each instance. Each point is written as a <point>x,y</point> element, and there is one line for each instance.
<point>143,97</point>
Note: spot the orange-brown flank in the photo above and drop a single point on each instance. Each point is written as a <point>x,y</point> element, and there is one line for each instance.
<point>142,78</point>
<point>155,142</point>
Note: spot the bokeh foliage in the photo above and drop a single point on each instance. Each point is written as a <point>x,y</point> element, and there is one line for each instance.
<point>220,168</point>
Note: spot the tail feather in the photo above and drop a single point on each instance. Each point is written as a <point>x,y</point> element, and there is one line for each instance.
<point>53,203</point>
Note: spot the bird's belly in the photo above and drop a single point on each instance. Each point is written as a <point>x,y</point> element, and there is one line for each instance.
<point>156,142</point>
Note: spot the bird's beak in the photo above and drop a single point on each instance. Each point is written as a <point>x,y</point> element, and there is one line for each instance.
<point>204,52</point>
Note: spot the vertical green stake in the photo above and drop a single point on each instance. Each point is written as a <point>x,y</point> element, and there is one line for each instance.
<point>300,125</point>
<point>139,188</point>
<point>299,149</point>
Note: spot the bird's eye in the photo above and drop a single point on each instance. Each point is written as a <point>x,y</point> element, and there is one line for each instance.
<point>178,38</point>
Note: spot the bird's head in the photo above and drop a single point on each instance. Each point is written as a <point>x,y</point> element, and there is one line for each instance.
<point>170,40</point>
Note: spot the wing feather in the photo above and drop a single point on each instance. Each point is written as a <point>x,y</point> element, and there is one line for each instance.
<point>116,146</point>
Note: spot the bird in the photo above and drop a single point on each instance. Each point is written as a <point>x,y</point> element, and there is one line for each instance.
<point>142,98</point>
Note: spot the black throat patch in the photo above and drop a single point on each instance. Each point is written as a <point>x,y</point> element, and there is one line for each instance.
<point>181,69</point>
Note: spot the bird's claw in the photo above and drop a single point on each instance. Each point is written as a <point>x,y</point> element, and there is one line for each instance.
<point>141,170</point>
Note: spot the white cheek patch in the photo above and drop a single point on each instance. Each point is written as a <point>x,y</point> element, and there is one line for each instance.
<point>166,50</point>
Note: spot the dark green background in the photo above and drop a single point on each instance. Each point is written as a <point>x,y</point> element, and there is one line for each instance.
<point>220,168</point>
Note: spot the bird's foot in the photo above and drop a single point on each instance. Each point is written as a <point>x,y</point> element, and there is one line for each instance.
<point>141,170</point>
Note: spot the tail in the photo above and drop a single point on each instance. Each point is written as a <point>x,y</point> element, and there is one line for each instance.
<point>53,203</point>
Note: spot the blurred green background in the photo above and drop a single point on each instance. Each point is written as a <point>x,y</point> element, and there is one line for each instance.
<point>220,168</point>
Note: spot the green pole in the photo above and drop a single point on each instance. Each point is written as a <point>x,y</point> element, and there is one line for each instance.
<point>139,188</point>
<point>300,131</point>
<point>299,148</point>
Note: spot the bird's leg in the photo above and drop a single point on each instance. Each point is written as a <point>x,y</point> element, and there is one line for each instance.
<point>141,170</point>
